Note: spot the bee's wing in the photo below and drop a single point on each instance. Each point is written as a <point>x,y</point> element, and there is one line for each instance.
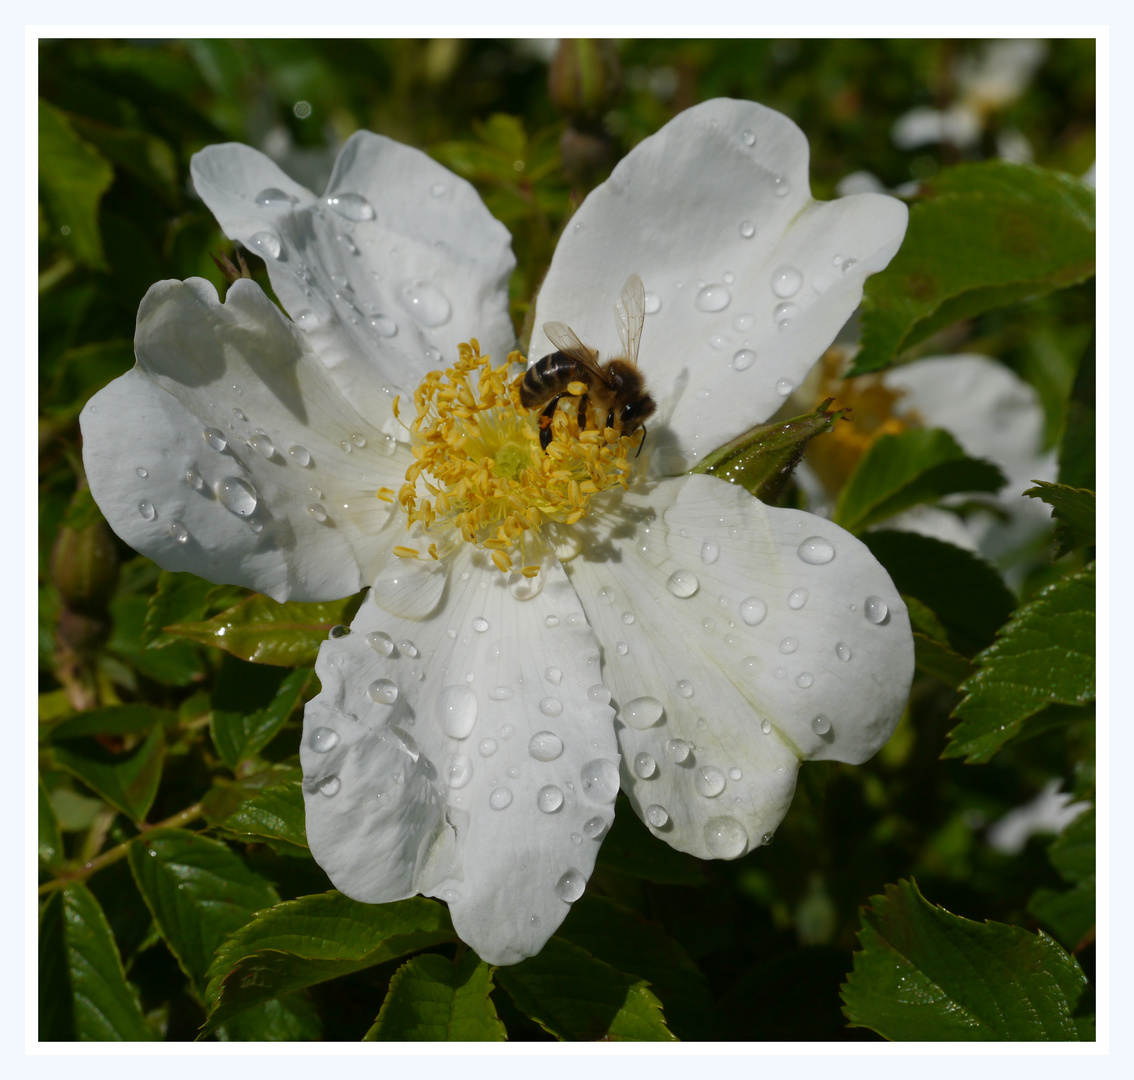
<point>567,342</point>
<point>631,311</point>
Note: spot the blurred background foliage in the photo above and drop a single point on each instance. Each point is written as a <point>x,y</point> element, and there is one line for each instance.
<point>534,126</point>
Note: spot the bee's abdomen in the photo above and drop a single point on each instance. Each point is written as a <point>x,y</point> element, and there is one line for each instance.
<point>546,377</point>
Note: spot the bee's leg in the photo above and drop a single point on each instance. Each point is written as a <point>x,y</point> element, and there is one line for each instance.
<point>610,418</point>
<point>581,412</point>
<point>642,443</point>
<point>545,422</point>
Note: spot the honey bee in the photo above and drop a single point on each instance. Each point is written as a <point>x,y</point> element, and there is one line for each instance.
<point>614,394</point>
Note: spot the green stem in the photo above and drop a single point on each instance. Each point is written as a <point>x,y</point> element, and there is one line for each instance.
<point>107,858</point>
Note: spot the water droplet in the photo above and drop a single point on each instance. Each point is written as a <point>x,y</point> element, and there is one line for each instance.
<point>678,750</point>
<point>645,766</point>
<point>237,496</point>
<point>380,642</point>
<point>712,298</point>
<point>553,675</point>
<point>146,509</point>
<point>653,303</point>
<point>178,532</point>
<point>329,786</point>
<point>194,480</point>
<point>709,781</point>
<point>549,799</point>
<point>500,798</point>
<point>594,827</point>
<point>784,387</point>
<point>600,780</point>
<point>215,438</point>
<point>480,624</point>
<point>456,707</point>
<point>358,440</point>
<point>570,886</point>
<point>657,816</point>
<point>545,746</point>
<point>486,747</point>
<point>642,712</point>
<point>300,455</point>
<point>797,598</point>
<point>749,138</point>
<point>820,725</point>
<point>725,838</point>
<point>433,355</point>
<point>239,414</point>
<point>766,727</point>
<point>789,645</point>
<point>351,206</point>
<point>426,303</point>
<point>437,190</point>
<point>459,771</point>
<point>753,610</point>
<point>804,679</point>
<point>409,648</point>
<point>265,243</point>
<point>500,693</point>
<point>685,688</point>
<point>318,511</point>
<point>323,739</point>
<point>710,551</point>
<point>256,525</point>
<point>382,692</point>
<point>842,651</point>
<point>141,472</point>
<point>783,312</point>
<point>743,359</point>
<point>873,607</point>
<point>628,617</point>
<point>781,186</point>
<point>621,648</point>
<point>816,551</point>
<point>550,706</point>
<point>507,731</point>
<point>848,264</point>
<point>786,281</point>
<point>682,584</point>
<point>551,621</point>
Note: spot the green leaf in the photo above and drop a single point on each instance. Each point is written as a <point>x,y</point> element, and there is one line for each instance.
<point>274,814</point>
<point>239,735</point>
<point>83,992</point>
<point>73,177</point>
<point>1044,655</point>
<point>139,153</point>
<point>113,720</point>
<point>980,236</point>
<point>433,999</point>
<point>127,779</point>
<point>926,974</point>
<point>293,1018</point>
<point>1074,513</point>
<point>1077,446</point>
<point>763,458</point>
<point>632,944</point>
<point>265,632</point>
<point>933,658</point>
<point>575,997</point>
<point>199,892</point>
<point>906,469</point>
<point>1070,913</point>
<point>966,594</point>
<point>315,938</point>
<point>177,598</point>
<point>50,843</point>
<point>180,664</point>
<point>631,849</point>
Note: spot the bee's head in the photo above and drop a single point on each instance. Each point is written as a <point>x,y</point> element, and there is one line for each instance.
<point>635,413</point>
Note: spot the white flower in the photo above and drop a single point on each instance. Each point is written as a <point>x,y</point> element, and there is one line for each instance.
<point>664,632</point>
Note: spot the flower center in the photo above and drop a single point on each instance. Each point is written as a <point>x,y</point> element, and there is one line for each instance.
<point>479,470</point>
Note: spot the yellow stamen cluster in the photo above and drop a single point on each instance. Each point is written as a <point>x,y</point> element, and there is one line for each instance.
<point>485,476</point>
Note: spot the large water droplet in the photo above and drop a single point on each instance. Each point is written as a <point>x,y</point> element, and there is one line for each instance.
<point>710,551</point>
<point>553,675</point>
<point>594,827</point>
<point>743,359</point>
<point>178,532</point>
<point>599,694</point>
<point>821,725</point>
<point>141,472</point>
<point>380,642</point>
<point>272,196</point>
<point>409,648</point>
<point>382,692</point>
<point>682,584</point>
<point>551,621</point>
<point>300,455</point>
<point>550,706</point>
<point>545,746</point>
<point>500,798</point>
<point>816,551</point>
<point>426,303</point>
<point>628,617</point>
<point>875,609</point>
<point>642,712</point>
<point>784,387</point>
<point>842,651</point>
<point>323,739</point>
<point>709,781</point>
<point>456,706</point>
<point>147,510</point>
<point>645,766</point>
<point>797,598</point>
<point>657,816</point>
<point>237,496</point>
<point>570,886</point>
<point>318,511</point>
<point>600,780</point>
<point>215,438</point>
<point>678,750</point>
<point>486,747</point>
<point>480,624</point>
<point>725,838</point>
<point>653,303</point>
<point>265,243</point>
<point>549,799</point>
<point>329,786</point>
<point>786,281</point>
<point>713,298</point>
<point>351,206</point>
<point>459,771</point>
<point>753,610</point>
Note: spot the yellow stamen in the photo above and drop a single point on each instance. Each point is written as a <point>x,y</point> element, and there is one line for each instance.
<point>407,552</point>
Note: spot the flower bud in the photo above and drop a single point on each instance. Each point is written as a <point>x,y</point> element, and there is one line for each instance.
<point>84,566</point>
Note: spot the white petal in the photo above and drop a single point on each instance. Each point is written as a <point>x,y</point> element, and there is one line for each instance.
<point>728,615</point>
<point>395,266</point>
<point>503,828</point>
<point>677,211</point>
<point>221,452</point>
